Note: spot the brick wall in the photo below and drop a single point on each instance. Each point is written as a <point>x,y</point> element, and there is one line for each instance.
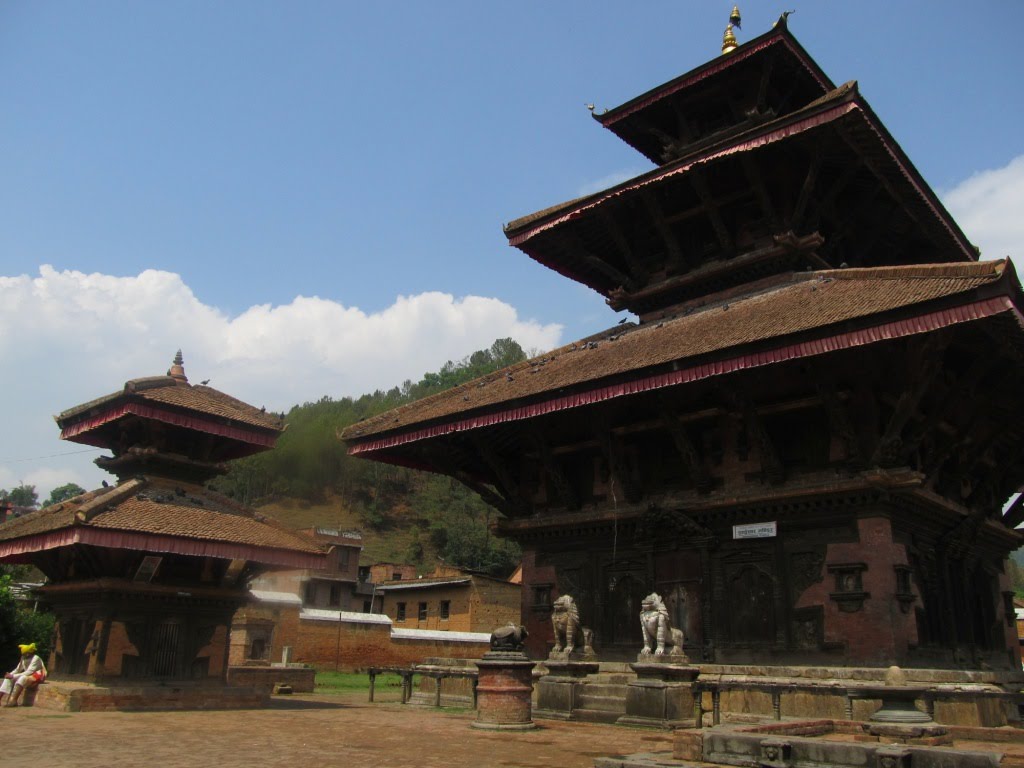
<point>877,632</point>
<point>344,645</point>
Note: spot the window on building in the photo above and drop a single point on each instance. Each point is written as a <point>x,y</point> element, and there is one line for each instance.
<point>396,576</point>
<point>367,606</point>
<point>343,557</point>
<point>400,612</point>
<point>335,595</point>
<point>421,614</point>
<point>542,595</point>
<point>446,609</point>
<point>310,593</point>
<point>258,649</point>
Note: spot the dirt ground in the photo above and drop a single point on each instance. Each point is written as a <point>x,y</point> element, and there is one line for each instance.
<point>304,731</point>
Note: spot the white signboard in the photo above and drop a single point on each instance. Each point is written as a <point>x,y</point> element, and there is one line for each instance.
<point>754,531</point>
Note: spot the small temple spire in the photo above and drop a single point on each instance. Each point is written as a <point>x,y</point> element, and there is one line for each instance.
<point>734,17</point>
<point>729,43</point>
<point>177,369</point>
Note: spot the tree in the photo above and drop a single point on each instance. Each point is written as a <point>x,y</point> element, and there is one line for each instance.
<point>21,496</point>
<point>63,493</point>
<point>20,625</point>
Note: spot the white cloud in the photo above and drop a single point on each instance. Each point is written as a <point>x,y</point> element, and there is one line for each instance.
<point>988,206</point>
<point>67,337</point>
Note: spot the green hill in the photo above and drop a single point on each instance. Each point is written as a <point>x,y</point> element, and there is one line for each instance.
<point>405,515</point>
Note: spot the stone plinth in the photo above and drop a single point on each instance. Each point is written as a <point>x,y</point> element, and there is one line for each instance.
<point>558,692</point>
<point>661,696</point>
<point>504,691</point>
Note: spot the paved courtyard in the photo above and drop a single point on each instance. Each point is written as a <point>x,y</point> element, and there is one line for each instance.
<point>303,731</point>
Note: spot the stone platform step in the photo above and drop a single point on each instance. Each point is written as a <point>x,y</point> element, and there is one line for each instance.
<point>595,716</point>
<point>87,697</point>
<point>616,704</point>
<point>611,690</point>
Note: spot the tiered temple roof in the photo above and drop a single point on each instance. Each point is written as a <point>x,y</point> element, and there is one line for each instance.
<point>782,318</point>
<point>166,437</point>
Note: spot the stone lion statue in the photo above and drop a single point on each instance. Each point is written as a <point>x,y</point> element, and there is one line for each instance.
<point>660,637</point>
<point>565,620</point>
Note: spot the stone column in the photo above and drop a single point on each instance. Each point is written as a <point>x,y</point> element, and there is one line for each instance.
<point>558,691</point>
<point>661,696</point>
<point>504,691</point>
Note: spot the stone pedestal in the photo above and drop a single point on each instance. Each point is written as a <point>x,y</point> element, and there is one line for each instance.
<point>504,691</point>
<point>558,692</point>
<point>661,696</point>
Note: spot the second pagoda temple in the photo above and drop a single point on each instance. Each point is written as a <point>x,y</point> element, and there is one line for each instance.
<point>144,576</point>
<point>806,442</point>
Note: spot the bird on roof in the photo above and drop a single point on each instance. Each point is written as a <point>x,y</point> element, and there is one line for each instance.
<point>782,19</point>
<point>589,106</point>
<point>623,320</point>
<point>205,382</point>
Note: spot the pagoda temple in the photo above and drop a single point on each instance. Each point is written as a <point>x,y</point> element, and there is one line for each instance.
<point>806,442</point>
<point>145,575</point>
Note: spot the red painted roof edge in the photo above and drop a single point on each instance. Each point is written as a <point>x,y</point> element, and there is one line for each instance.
<point>751,142</point>
<point>147,542</point>
<point>251,435</point>
<point>930,321</point>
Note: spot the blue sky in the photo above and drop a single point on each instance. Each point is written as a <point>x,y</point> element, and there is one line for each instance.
<point>308,197</point>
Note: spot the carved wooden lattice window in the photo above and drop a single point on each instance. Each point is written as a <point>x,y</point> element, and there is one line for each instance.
<point>904,590</point>
<point>849,592</point>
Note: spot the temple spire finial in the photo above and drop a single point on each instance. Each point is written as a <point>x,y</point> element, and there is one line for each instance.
<point>177,369</point>
<point>729,43</point>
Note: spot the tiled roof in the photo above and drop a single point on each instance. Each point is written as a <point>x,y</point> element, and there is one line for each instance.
<point>195,398</point>
<point>791,304</point>
<point>842,106</point>
<point>439,581</point>
<point>779,34</point>
<point>161,508</point>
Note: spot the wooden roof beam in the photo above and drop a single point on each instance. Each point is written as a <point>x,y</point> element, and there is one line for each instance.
<point>570,498</point>
<point>677,261</point>
<point>872,166</point>
<point>924,362</point>
<point>772,468</point>
<point>579,251</point>
<point>614,456</point>
<point>449,461</point>
<point>637,269</point>
<point>703,190</point>
<point>756,180</point>
<point>838,413</point>
<point>762,87</point>
<point>692,459</point>
<point>807,189</point>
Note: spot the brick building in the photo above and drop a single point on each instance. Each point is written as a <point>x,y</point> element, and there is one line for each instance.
<point>336,586</point>
<point>450,600</point>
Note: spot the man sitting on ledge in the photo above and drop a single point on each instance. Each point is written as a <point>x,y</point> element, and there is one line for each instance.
<point>29,673</point>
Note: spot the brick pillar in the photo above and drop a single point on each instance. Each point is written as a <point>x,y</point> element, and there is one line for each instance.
<point>504,692</point>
